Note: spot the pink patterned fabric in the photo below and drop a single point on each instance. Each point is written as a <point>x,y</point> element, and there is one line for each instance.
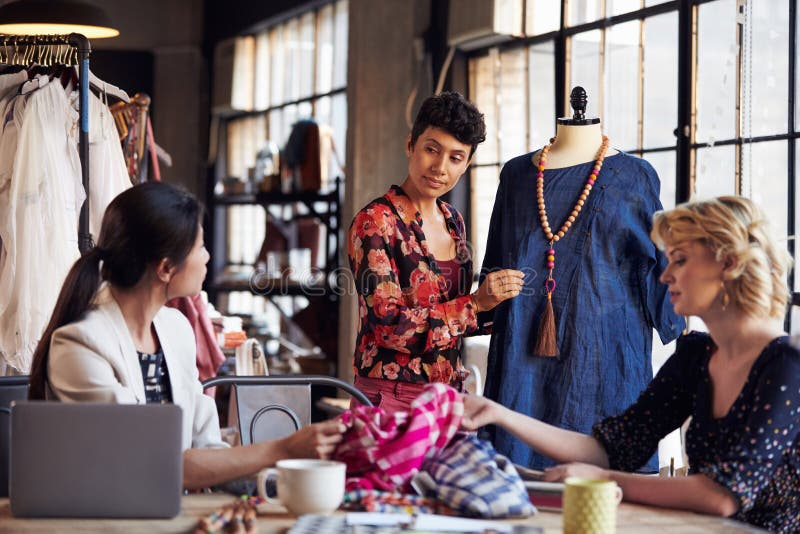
<point>209,355</point>
<point>385,450</point>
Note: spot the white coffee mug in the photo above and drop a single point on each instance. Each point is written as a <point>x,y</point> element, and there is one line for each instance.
<point>305,486</point>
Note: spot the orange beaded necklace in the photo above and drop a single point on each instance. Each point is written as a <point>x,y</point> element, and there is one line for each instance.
<point>546,343</point>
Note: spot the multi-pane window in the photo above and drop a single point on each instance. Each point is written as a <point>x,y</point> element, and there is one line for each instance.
<point>727,126</point>
<point>737,136</point>
<point>294,70</point>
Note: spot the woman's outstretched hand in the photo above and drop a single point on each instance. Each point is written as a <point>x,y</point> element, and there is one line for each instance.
<point>479,411</point>
<point>559,473</point>
<point>497,287</point>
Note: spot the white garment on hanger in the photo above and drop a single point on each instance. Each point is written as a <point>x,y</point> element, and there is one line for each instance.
<point>9,84</point>
<point>13,80</point>
<point>108,173</point>
<point>11,109</point>
<point>39,228</point>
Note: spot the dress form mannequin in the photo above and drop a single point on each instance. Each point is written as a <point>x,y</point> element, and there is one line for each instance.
<point>577,138</point>
<point>606,297</point>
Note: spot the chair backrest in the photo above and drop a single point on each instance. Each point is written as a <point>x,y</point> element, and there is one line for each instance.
<point>12,388</point>
<point>271,407</point>
<point>792,320</point>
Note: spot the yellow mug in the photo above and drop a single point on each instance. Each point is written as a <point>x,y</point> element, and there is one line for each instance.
<point>590,506</point>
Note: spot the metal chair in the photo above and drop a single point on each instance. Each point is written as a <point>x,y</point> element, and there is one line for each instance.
<point>12,388</point>
<point>271,407</point>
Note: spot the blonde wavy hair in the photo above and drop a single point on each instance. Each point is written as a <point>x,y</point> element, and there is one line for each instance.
<point>734,227</point>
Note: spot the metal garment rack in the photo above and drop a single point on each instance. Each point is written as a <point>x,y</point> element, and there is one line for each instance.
<point>38,49</point>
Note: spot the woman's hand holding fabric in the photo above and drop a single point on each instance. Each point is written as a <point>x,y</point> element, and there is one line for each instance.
<point>479,411</point>
<point>497,287</point>
<point>314,441</point>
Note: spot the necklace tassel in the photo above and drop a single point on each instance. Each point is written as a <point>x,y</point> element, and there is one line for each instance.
<point>546,343</point>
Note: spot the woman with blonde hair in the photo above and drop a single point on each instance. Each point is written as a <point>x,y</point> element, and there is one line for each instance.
<point>740,382</point>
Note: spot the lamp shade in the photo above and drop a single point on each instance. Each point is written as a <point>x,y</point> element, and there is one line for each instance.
<point>44,17</point>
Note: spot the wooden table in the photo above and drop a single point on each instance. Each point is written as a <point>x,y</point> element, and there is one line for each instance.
<point>274,519</point>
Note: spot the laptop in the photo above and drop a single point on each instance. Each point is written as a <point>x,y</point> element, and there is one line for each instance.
<point>95,460</point>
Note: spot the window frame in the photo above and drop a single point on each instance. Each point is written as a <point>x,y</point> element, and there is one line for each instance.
<point>224,219</point>
<point>686,145</point>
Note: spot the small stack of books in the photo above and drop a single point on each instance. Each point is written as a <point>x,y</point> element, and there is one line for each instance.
<point>543,495</point>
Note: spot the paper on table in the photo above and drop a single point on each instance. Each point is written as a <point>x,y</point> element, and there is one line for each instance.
<point>377,519</point>
<point>446,523</point>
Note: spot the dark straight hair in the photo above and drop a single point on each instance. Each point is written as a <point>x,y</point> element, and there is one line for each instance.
<point>141,226</point>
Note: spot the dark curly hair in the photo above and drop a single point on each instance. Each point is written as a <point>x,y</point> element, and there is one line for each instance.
<point>455,115</point>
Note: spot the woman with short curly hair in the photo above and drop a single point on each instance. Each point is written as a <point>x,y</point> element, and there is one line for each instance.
<point>739,383</point>
<point>412,265</point>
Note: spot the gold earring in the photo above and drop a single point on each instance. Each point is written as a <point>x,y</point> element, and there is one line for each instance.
<point>726,299</point>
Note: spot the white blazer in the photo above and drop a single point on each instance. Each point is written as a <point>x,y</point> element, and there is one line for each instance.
<point>94,360</point>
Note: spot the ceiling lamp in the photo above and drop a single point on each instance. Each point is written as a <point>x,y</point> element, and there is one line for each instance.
<point>45,17</point>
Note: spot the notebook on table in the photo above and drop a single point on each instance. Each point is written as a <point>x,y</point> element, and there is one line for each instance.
<point>95,460</point>
<point>543,495</point>
<point>546,495</point>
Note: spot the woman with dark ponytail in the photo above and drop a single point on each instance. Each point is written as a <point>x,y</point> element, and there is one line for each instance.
<point>111,339</point>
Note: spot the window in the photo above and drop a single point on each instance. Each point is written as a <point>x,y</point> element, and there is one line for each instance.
<point>736,133</point>
<point>292,70</point>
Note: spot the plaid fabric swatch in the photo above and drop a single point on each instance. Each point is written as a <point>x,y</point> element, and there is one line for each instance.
<point>385,450</point>
<point>472,478</point>
<point>392,502</point>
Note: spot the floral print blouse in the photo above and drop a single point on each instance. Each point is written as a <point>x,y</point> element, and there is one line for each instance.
<point>753,451</point>
<point>408,328</point>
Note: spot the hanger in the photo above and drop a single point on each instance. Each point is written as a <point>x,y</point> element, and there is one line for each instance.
<point>67,76</point>
<point>121,119</point>
<point>37,82</point>
<point>105,87</point>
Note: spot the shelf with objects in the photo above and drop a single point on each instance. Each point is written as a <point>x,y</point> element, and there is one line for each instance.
<point>287,263</point>
<point>275,262</point>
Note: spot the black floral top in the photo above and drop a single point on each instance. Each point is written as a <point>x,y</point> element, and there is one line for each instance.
<point>157,387</point>
<point>754,450</point>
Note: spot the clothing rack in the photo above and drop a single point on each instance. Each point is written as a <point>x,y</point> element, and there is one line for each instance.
<point>49,50</point>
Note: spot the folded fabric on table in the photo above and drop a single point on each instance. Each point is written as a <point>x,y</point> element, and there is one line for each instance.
<point>385,450</point>
<point>471,477</point>
<point>392,502</point>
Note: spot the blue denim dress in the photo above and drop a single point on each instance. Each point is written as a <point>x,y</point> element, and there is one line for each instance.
<point>607,301</point>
